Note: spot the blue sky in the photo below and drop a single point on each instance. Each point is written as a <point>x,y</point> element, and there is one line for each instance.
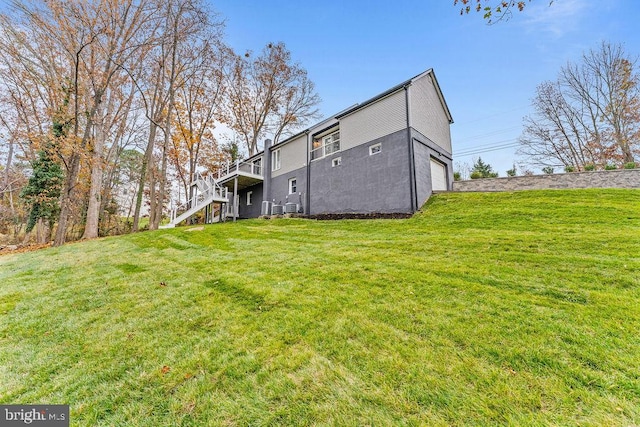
<point>354,50</point>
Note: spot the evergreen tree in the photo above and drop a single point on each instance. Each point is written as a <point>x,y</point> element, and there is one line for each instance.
<point>483,170</point>
<point>42,192</point>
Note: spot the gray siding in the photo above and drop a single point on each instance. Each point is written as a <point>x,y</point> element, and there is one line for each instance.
<point>252,211</point>
<point>422,157</point>
<point>428,115</point>
<point>363,183</point>
<point>438,153</point>
<point>280,187</point>
<point>293,155</point>
<point>376,120</point>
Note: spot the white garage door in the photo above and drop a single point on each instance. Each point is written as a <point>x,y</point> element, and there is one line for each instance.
<point>438,176</point>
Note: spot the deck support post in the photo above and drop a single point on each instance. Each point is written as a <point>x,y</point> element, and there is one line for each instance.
<point>235,198</point>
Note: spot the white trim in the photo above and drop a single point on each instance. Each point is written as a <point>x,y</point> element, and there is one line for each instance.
<point>293,182</point>
<point>336,161</point>
<point>249,198</point>
<point>327,144</point>
<point>276,160</point>
<point>375,149</point>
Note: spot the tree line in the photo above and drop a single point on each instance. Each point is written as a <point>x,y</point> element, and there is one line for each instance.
<point>103,103</point>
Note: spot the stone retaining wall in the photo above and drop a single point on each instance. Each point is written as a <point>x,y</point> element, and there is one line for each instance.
<point>620,178</point>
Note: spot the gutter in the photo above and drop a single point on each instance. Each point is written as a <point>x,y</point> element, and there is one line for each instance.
<point>307,198</point>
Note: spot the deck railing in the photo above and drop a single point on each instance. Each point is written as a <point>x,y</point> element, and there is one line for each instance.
<point>238,166</point>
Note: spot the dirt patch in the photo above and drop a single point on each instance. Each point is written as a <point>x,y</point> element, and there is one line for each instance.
<point>16,249</point>
<point>195,229</point>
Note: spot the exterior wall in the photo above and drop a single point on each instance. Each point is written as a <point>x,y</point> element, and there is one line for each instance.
<point>425,149</point>
<point>428,115</point>
<point>376,120</point>
<point>252,211</point>
<point>280,187</point>
<point>422,158</point>
<point>363,183</point>
<point>622,178</point>
<point>293,155</point>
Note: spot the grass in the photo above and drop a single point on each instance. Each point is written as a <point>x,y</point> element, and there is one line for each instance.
<point>505,308</point>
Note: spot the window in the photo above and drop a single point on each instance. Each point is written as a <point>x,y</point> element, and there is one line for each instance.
<point>249,197</point>
<point>375,149</point>
<point>325,144</point>
<point>275,160</point>
<point>256,168</point>
<point>293,186</point>
<point>336,162</point>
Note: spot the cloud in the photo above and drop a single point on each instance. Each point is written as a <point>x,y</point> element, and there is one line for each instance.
<point>559,18</point>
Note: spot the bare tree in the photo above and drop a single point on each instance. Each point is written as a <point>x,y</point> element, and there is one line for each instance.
<point>199,105</point>
<point>186,21</point>
<point>590,115</point>
<point>123,30</point>
<point>269,94</point>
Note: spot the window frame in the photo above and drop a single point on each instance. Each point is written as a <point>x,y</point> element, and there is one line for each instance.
<point>293,182</point>
<point>336,161</point>
<point>249,198</point>
<point>276,160</point>
<point>377,147</point>
<point>321,142</point>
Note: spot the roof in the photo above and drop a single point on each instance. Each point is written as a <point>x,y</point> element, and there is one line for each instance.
<point>359,106</point>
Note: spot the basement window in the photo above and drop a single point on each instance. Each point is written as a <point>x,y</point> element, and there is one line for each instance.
<point>293,186</point>
<point>375,149</point>
<point>249,198</point>
<point>336,162</point>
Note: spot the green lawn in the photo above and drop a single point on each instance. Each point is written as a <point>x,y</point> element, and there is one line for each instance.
<point>483,309</point>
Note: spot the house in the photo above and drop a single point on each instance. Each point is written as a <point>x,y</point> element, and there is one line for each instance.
<point>385,155</point>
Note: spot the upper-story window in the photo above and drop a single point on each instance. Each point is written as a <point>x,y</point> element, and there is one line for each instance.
<point>275,160</point>
<point>325,144</point>
<point>256,167</point>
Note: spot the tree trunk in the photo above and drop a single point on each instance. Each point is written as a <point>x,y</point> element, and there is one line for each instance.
<point>7,171</point>
<point>43,232</point>
<point>167,130</point>
<point>148,156</point>
<point>66,199</point>
<point>95,192</point>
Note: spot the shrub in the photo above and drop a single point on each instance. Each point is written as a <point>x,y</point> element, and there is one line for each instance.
<point>630,165</point>
<point>476,175</point>
<point>569,169</point>
<point>457,176</point>
<point>610,167</point>
<point>547,170</point>
<point>590,167</point>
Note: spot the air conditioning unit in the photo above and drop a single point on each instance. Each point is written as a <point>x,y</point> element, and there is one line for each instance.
<point>291,208</point>
<point>266,208</point>
<point>277,210</point>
